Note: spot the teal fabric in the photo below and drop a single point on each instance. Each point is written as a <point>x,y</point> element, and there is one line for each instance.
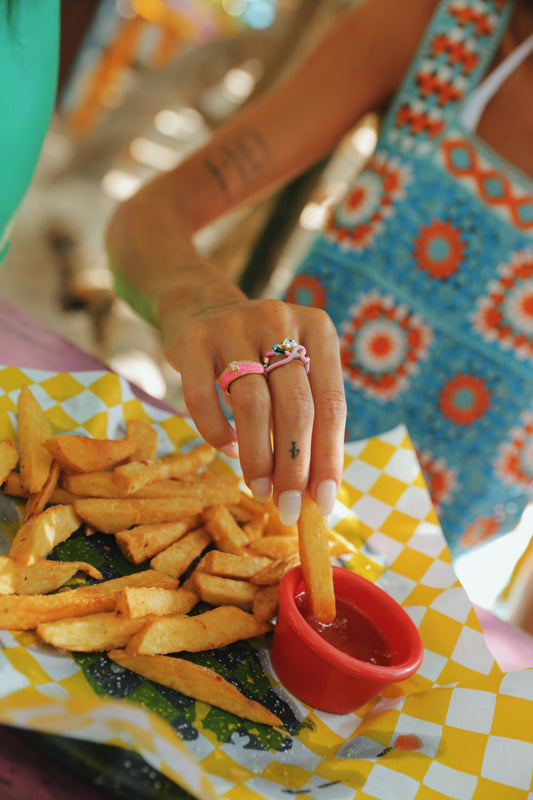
<point>29,50</point>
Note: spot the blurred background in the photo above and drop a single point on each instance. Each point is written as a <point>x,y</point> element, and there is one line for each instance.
<point>143,83</point>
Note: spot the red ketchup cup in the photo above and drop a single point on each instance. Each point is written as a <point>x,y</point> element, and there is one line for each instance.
<point>332,679</point>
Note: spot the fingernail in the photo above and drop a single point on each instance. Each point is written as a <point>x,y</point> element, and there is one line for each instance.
<point>261,488</point>
<point>326,495</point>
<point>231,450</point>
<point>289,506</point>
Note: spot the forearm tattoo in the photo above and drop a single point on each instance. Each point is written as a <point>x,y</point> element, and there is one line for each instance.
<point>294,451</point>
<point>245,158</point>
<point>207,309</point>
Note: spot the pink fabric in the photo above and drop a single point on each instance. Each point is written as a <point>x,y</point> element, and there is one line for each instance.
<point>511,647</point>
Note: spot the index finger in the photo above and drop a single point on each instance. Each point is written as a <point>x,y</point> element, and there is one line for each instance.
<point>329,428</point>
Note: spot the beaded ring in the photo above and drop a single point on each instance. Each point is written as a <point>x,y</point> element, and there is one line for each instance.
<point>291,350</point>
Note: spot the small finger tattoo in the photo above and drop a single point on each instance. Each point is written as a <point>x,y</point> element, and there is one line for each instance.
<point>294,451</point>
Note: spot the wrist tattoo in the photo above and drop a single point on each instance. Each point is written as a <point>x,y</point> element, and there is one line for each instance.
<point>247,156</point>
<point>294,451</point>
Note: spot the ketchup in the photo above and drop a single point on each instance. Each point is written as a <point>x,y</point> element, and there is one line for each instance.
<point>351,631</point>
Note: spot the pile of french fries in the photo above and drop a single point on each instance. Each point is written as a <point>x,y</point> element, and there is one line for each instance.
<point>207,547</point>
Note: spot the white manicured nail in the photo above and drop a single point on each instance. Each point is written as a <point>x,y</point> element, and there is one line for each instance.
<point>326,495</point>
<point>231,450</point>
<point>289,507</point>
<point>261,488</point>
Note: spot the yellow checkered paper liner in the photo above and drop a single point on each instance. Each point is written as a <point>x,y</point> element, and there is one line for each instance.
<point>460,728</point>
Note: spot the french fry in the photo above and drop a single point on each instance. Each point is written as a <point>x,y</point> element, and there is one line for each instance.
<point>13,486</point>
<point>230,565</point>
<point>41,577</point>
<point>239,513</point>
<point>176,559</point>
<point>25,612</point>
<point>145,438</point>
<point>275,570</point>
<point>143,542</point>
<point>9,457</point>
<point>91,484</point>
<point>224,530</point>
<point>38,502</point>
<point>148,577</point>
<point>265,606</point>
<point>251,505</point>
<point>34,428</point>
<point>211,491</point>
<point>193,680</point>
<point>219,591</point>
<point>91,633</point>
<point>215,628</point>
<point>133,476</point>
<point>117,514</point>
<point>141,601</point>
<point>313,536</point>
<point>83,454</point>
<point>278,546</point>
<point>255,528</point>
<point>38,536</point>
<point>170,512</point>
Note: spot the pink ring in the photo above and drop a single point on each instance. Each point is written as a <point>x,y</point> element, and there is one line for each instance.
<point>236,369</point>
<point>292,350</point>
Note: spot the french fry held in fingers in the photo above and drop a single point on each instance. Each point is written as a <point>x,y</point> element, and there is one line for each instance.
<point>38,536</point>
<point>9,456</point>
<point>41,577</point>
<point>195,681</point>
<point>133,476</point>
<point>134,602</point>
<point>83,454</point>
<point>34,428</point>
<point>313,536</point>
<point>215,628</point>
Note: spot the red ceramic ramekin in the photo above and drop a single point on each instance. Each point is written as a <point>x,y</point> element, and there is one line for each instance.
<point>322,675</point>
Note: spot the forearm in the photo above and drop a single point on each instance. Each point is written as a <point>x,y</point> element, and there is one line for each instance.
<point>353,69</point>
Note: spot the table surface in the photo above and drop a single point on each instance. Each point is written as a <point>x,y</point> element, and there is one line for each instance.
<point>24,771</point>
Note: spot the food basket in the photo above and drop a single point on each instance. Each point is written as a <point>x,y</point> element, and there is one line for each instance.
<point>458,728</point>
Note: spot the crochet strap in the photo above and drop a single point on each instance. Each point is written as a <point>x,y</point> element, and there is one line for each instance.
<point>453,56</point>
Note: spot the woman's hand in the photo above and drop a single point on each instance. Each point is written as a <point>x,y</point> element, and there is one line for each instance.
<point>289,425</point>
